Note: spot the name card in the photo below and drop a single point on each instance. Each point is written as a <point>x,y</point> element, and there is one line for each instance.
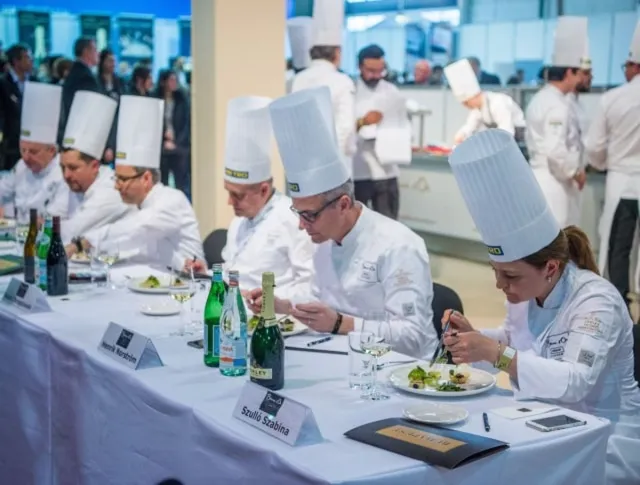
<point>26,296</point>
<point>129,348</point>
<point>279,416</point>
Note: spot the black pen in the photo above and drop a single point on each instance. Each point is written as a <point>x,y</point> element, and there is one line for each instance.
<point>485,418</point>
<point>316,342</point>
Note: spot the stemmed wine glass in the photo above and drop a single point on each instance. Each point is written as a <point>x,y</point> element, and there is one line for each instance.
<point>108,254</point>
<point>375,340</point>
<point>182,288</point>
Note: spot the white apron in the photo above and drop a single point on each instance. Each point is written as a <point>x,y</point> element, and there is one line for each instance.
<point>615,185</point>
<point>564,199</point>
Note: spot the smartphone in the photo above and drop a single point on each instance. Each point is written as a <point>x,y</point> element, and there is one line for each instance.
<point>554,423</point>
<point>196,344</point>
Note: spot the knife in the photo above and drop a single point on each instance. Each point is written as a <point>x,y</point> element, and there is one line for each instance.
<point>440,348</point>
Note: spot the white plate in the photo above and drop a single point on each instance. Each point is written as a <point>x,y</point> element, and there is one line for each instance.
<point>76,260</point>
<point>435,413</point>
<point>134,285</point>
<point>161,308</point>
<point>298,327</point>
<point>479,381</point>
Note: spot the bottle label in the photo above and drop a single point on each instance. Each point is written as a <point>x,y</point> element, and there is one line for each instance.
<point>42,273</point>
<point>271,322</point>
<point>233,353</point>
<point>261,374</point>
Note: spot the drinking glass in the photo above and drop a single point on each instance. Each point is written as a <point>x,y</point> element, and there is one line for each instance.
<point>99,270</point>
<point>360,375</point>
<point>182,288</point>
<point>375,340</point>
<point>108,253</point>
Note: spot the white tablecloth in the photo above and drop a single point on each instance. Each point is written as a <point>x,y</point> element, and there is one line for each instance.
<point>70,415</point>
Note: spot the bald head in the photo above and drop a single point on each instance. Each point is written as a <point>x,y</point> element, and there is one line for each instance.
<point>421,71</point>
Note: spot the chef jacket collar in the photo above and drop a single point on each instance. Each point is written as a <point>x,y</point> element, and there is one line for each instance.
<point>323,63</point>
<point>556,298</point>
<point>104,175</point>
<point>153,193</point>
<point>258,217</point>
<point>54,164</point>
<point>359,228</point>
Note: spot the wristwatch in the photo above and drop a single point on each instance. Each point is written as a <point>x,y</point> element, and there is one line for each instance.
<point>338,324</point>
<point>507,355</point>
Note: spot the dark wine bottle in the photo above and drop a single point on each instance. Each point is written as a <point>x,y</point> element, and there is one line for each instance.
<point>57,264</point>
<point>267,343</point>
<point>30,248</point>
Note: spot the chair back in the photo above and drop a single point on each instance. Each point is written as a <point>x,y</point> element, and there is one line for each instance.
<point>636,350</point>
<point>213,245</point>
<point>444,298</point>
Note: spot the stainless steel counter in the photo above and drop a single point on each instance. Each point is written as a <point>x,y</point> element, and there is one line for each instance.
<point>432,205</point>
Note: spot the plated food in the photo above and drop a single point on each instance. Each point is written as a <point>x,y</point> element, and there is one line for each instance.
<point>151,284</point>
<point>288,325</point>
<point>80,257</point>
<point>442,380</point>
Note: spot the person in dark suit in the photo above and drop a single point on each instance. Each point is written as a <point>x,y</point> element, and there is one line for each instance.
<point>484,78</point>
<point>11,89</point>
<point>176,146</point>
<point>111,85</point>
<point>141,82</point>
<point>80,78</point>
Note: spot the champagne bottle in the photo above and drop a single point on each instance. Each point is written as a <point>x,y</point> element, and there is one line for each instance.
<point>233,331</point>
<point>267,344</point>
<point>43,252</point>
<point>212,312</point>
<point>57,265</point>
<point>30,248</point>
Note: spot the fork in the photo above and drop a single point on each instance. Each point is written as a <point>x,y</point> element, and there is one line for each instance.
<point>395,362</point>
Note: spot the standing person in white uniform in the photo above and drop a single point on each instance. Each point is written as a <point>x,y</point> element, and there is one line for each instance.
<point>375,180</point>
<point>93,200</point>
<point>300,30</point>
<point>328,23</point>
<point>613,144</point>
<point>164,228</point>
<point>364,261</point>
<point>36,181</point>
<point>487,109</point>
<point>583,86</point>
<point>553,133</point>
<point>263,235</point>
<point>567,338</point>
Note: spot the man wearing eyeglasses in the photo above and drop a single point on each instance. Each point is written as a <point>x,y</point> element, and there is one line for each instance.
<point>376,183</point>
<point>93,200</point>
<point>264,234</point>
<point>613,144</point>
<point>36,181</point>
<point>364,262</point>
<point>164,228</point>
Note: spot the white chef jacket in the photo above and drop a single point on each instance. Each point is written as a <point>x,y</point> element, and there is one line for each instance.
<point>555,152</point>
<point>613,140</point>
<point>271,241</point>
<point>323,73</point>
<point>380,266</point>
<point>498,110</point>
<point>579,113</point>
<point>46,191</point>
<point>101,204</point>
<point>366,165</point>
<point>163,230</point>
<point>577,351</point>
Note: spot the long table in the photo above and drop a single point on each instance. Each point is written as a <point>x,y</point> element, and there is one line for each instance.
<point>71,415</point>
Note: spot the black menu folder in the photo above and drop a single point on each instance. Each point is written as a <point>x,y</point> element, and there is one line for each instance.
<point>437,446</point>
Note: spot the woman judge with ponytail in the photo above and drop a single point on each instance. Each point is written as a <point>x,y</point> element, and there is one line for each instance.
<point>567,337</point>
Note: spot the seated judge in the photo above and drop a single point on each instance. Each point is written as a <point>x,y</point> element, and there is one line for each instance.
<point>163,227</point>
<point>93,200</point>
<point>487,109</point>
<point>364,262</point>
<point>567,338</point>
<point>36,181</point>
<point>264,234</point>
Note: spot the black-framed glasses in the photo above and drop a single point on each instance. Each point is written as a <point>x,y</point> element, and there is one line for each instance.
<point>124,179</point>
<point>312,216</point>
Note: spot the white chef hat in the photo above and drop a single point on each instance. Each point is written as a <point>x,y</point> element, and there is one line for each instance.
<point>248,140</point>
<point>139,139</point>
<point>462,80</point>
<point>503,196</point>
<point>40,112</point>
<point>304,129</point>
<point>570,41</point>
<point>634,50</point>
<point>328,22</point>
<point>300,31</point>
<point>89,123</point>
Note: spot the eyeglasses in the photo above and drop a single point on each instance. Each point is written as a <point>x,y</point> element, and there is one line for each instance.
<point>312,216</point>
<point>122,179</point>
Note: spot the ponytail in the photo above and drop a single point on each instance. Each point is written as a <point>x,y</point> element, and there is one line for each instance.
<point>580,250</point>
<point>571,244</point>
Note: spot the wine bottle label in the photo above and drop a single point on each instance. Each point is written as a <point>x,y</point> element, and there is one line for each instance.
<point>261,374</point>
<point>271,322</point>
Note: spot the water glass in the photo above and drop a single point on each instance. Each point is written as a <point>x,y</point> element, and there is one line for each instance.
<point>108,253</point>
<point>99,270</point>
<point>375,340</point>
<point>182,288</point>
<point>360,373</point>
